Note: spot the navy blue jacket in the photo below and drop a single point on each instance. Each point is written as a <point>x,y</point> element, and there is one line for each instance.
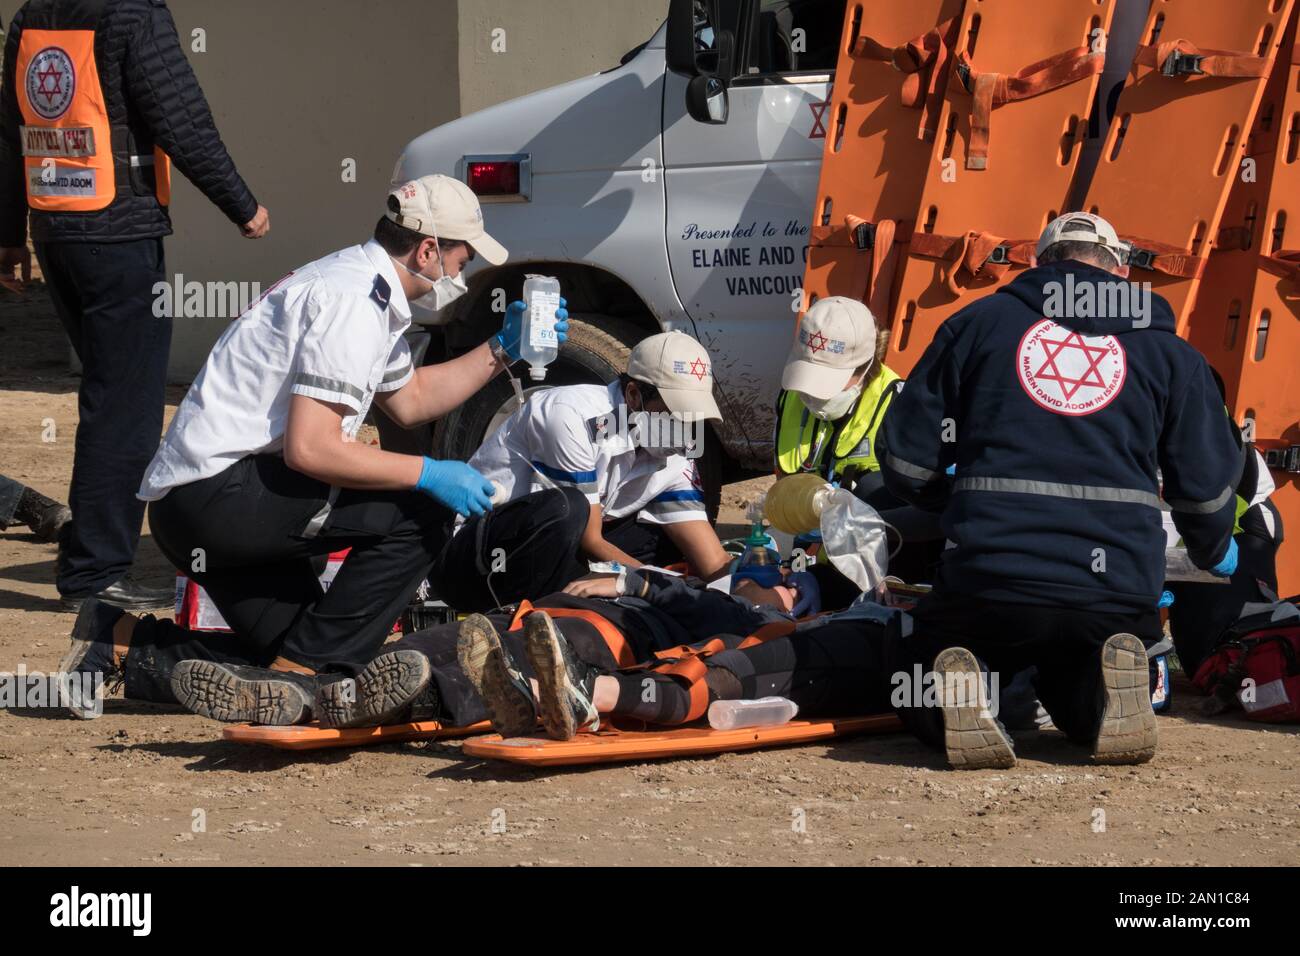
<point>1060,430</point>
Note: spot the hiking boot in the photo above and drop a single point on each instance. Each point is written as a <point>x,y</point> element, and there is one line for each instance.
<point>1127,733</point>
<point>564,682</point>
<point>505,691</point>
<point>973,738</point>
<point>90,667</point>
<point>45,516</point>
<point>235,693</point>
<point>382,693</point>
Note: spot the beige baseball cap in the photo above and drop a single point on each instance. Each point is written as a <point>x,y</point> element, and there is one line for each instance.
<point>444,208</point>
<point>679,367</point>
<point>836,337</point>
<point>1084,227</point>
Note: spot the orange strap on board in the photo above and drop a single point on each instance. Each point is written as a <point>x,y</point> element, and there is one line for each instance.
<point>879,238</point>
<point>1183,58</point>
<point>1285,264</point>
<point>925,59</point>
<point>991,90</point>
<point>1164,258</point>
<point>613,637</point>
<point>975,253</point>
<point>686,662</point>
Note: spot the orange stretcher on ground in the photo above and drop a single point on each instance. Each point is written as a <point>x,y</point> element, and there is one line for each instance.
<point>618,746</point>
<point>685,663</point>
<point>315,737</point>
<point>610,746</point>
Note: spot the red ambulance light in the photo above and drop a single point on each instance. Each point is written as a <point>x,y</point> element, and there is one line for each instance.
<point>494,179</point>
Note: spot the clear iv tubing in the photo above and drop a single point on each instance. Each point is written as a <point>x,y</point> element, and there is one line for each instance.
<point>487,579</point>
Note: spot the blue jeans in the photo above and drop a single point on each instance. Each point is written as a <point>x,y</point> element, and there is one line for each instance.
<point>104,296</point>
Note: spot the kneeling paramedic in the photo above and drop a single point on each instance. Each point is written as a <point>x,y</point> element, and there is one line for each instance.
<point>836,389</point>
<point>260,473</point>
<point>1202,611</point>
<point>1062,422</point>
<point>594,473</point>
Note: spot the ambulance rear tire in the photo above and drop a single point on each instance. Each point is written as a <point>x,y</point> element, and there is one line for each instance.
<point>595,353</point>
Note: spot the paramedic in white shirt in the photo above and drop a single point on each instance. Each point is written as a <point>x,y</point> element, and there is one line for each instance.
<point>595,473</point>
<point>260,474</point>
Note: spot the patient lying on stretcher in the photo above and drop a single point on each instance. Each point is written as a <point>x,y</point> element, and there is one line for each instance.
<point>833,665</point>
<point>487,667</point>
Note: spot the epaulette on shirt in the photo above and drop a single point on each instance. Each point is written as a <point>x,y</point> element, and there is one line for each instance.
<point>598,428</point>
<point>382,292</point>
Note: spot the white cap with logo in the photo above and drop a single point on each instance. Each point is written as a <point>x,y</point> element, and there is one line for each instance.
<point>679,368</point>
<point>444,208</point>
<point>1084,227</point>
<point>836,337</point>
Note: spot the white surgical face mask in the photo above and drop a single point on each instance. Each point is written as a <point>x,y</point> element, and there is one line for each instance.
<point>649,434</point>
<point>833,408</point>
<point>445,291</point>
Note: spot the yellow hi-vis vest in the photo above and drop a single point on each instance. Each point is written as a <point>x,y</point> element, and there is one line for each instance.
<point>806,443</point>
<point>67,138</point>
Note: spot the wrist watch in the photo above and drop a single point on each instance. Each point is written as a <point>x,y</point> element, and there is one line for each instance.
<point>499,351</point>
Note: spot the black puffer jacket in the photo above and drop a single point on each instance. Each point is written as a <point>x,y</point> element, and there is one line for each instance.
<point>153,98</point>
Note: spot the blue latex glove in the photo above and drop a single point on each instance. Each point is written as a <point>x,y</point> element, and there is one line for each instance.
<point>808,593</point>
<point>1228,566</point>
<point>457,486</point>
<point>1166,599</point>
<point>511,334</point>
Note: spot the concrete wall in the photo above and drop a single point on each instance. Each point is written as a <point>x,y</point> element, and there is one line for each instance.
<point>546,42</point>
<point>297,87</point>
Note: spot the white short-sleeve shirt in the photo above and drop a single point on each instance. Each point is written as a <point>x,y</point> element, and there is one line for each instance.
<point>559,434</point>
<point>331,330</point>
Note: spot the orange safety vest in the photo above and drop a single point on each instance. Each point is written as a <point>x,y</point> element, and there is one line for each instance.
<point>66,137</point>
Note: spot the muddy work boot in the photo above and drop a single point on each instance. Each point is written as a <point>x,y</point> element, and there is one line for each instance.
<point>487,663</point>
<point>564,682</point>
<point>383,693</point>
<point>1127,733</point>
<point>973,737</point>
<point>236,693</point>
<point>45,516</point>
<point>91,667</point>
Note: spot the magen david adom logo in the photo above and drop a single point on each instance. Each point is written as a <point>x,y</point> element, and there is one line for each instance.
<point>51,83</point>
<point>1069,373</point>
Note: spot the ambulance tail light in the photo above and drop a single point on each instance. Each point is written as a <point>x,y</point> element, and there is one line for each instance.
<point>499,178</point>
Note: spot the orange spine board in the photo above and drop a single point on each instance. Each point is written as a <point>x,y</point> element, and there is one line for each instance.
<point>1246,319</point>
<point>315,737</point>
<point>1033,146</point>
<point>1176,143</point>
<point>621,746</point>
<point>876,152</point>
